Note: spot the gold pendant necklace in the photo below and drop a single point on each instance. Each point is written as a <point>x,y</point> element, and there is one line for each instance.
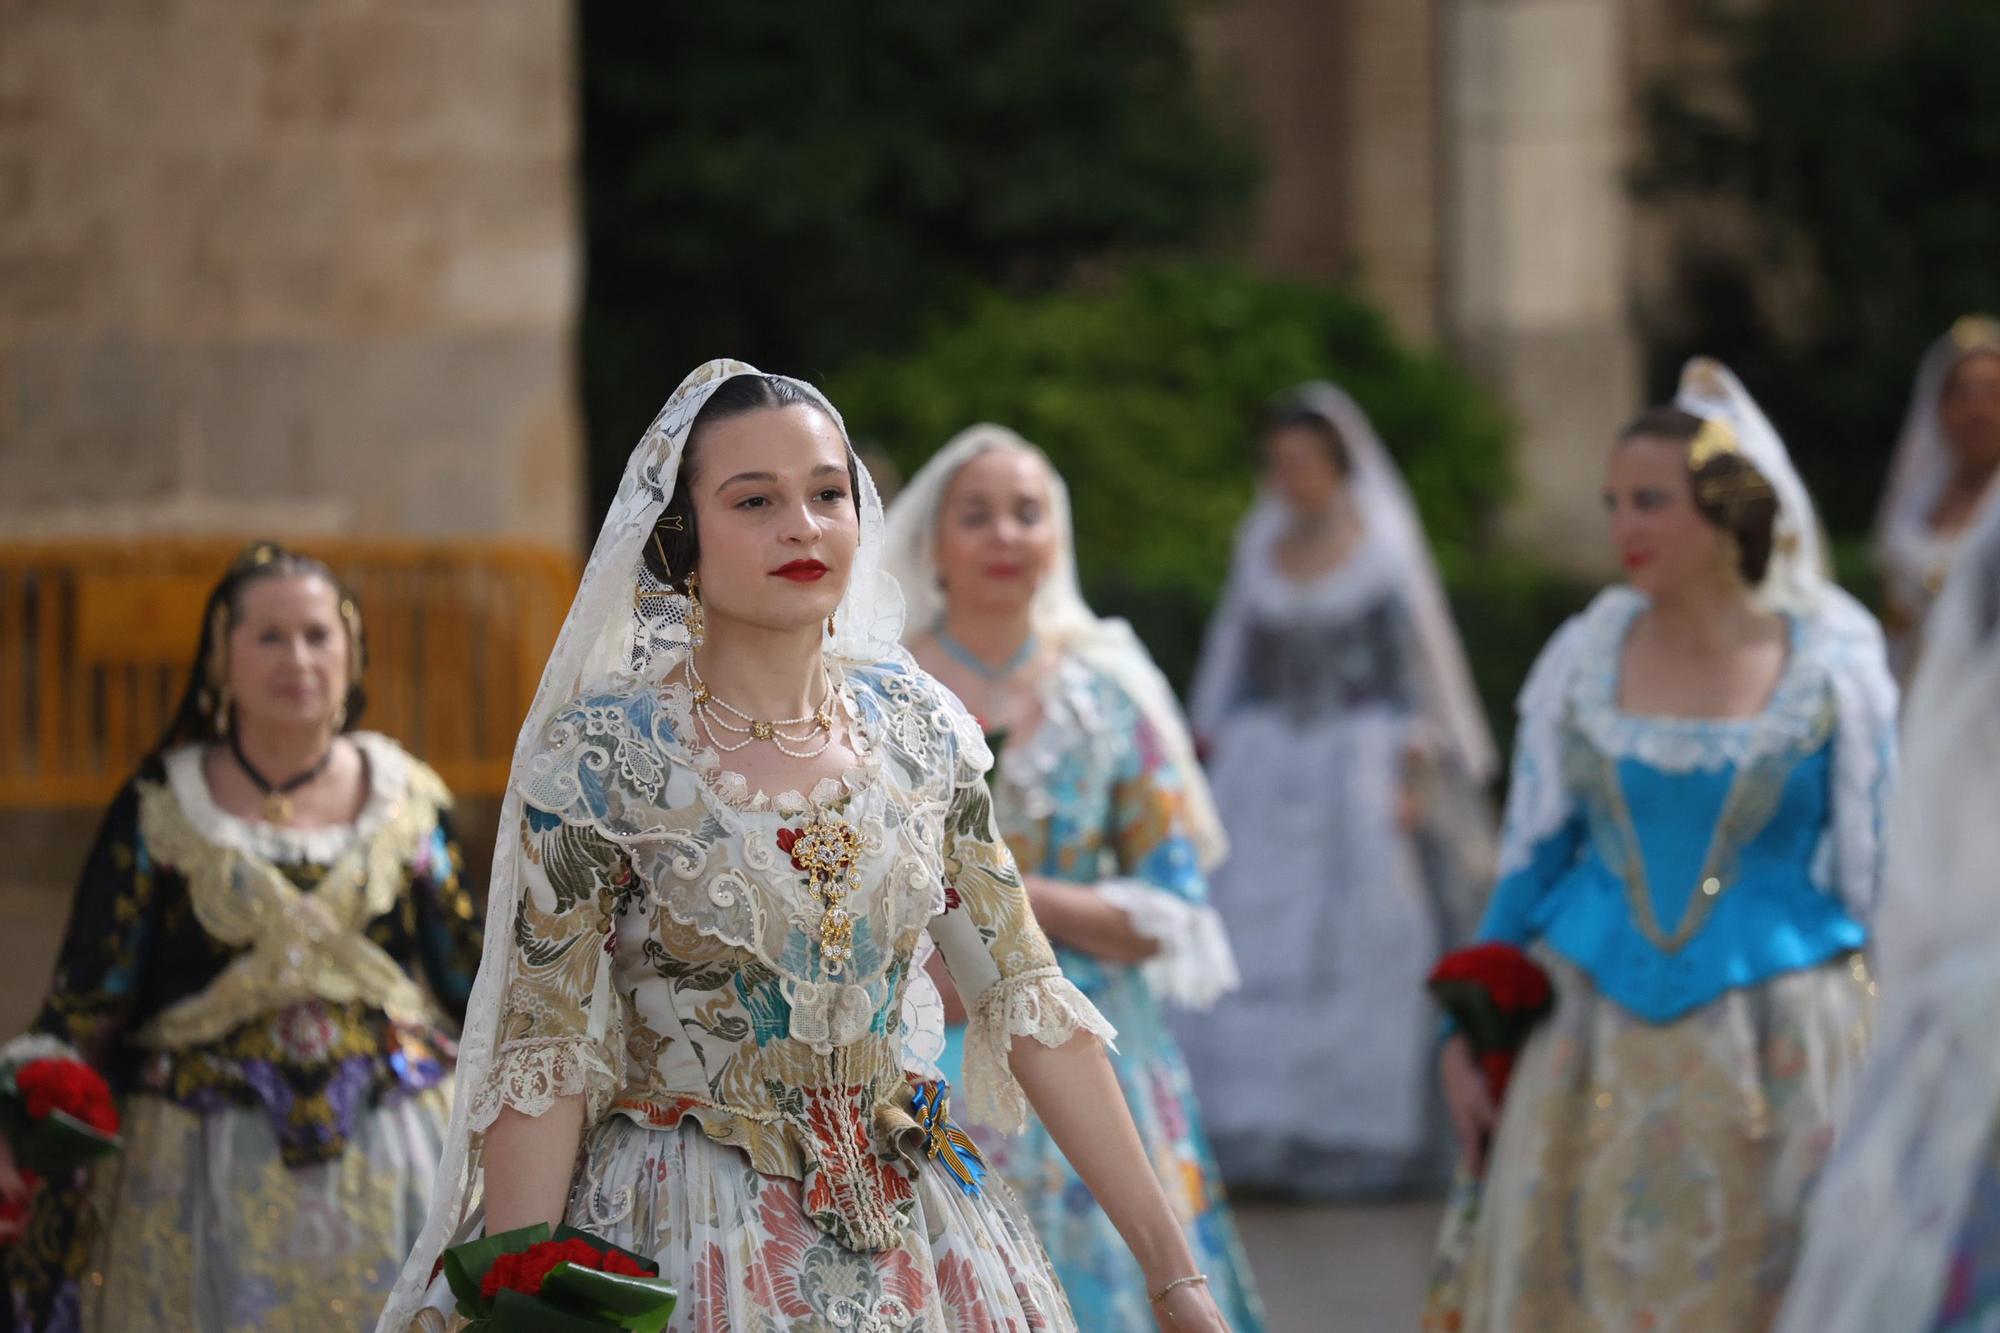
<point>278,805</point>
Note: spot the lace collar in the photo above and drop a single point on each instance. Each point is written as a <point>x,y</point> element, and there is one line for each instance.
<point>1798,716</point>
<point>732,789</point>
<point>1349,588</point>
<point>388,769</point>
<point>1071,713</point>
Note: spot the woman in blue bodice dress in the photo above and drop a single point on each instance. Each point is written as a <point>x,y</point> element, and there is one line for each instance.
<point>1692,849</point>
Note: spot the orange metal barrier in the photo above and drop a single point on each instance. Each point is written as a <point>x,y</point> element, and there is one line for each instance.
<point>97,638</point>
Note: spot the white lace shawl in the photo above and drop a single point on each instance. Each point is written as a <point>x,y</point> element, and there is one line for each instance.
<point>1571,682</point>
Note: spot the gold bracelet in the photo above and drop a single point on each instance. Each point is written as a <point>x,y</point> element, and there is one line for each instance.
<point>1191,1280</point>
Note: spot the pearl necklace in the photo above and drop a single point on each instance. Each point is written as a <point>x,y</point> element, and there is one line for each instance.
<point>715,715</point>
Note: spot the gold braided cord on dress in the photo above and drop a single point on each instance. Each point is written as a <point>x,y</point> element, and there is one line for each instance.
<point>299,945</point>
<point>1747,808</point>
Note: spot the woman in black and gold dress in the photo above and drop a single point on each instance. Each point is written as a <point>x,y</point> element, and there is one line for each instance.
<point>266,941</point>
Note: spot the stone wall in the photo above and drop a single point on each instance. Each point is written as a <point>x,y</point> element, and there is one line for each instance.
<point>288,268</point>
<point>278,268</point>
<point>1344,102</point>
<point>1539,248</point>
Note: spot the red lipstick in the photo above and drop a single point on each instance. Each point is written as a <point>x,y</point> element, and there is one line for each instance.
<point>801,571</point>
<point>1633,560</point>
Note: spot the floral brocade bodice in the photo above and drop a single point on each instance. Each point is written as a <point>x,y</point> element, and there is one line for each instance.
<point>686,948</point>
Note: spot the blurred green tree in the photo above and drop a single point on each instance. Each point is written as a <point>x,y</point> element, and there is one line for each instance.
<point>1147,391</point>
<point>797,182</point>
<point>1865,146</point>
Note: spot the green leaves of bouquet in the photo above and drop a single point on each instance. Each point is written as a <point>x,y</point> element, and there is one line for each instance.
<point>56,1111</point>
<point>524,1281</point>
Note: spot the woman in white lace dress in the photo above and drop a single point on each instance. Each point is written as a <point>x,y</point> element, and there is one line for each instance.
<point>738,810</point>
<point>1348,753</point>
<point>1944,466</point>
<point>1904,1234</point>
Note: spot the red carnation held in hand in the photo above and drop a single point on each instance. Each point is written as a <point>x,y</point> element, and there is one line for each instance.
<point>1495,994</point>
<point>1513,980</point>
<point>526,1270</point>
<point>68,1086</point>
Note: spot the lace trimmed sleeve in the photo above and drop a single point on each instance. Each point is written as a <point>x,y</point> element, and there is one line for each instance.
<point>561,1032</point>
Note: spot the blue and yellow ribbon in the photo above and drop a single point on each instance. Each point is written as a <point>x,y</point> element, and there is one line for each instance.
<point>944,1142</point>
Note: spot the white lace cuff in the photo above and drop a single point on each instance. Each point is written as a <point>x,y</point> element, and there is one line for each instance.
<point>1195,966</point>
<point>1042,1004</point>
<point>530,1075</point>
<point>32,1046</point>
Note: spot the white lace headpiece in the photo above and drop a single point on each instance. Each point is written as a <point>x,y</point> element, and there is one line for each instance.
<point>1389,514</point>
<point>1799,574</point>
<point>625,629</point>
<point>1922,465</point>
<point>1059,612</point>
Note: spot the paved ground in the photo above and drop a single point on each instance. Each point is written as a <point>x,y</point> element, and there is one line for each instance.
<point>1341,1270</point>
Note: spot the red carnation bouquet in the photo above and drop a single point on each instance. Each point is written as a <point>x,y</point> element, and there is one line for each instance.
<point>55,1110</point>
<point>1495,994</point>
<point>526,1281</point>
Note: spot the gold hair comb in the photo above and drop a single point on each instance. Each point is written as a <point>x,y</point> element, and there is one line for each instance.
<point>1715,438</point>
<point>1976,333</point>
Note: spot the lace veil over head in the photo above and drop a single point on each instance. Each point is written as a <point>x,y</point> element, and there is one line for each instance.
<point>626,630</point>
<point>1059,613</point>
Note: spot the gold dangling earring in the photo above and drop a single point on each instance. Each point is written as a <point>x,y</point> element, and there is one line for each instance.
<point>830,630</point>
<point>697,622</point>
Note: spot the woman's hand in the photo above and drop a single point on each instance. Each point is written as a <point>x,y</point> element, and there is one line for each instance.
<point>1189,1308</point>
<point>1082,918</point>
<point>1473,1114</point>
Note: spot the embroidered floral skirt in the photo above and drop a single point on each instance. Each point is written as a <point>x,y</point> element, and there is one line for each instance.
<point>202,1228</point>
<point>747,1259</point>
<point>1653,1176</point>
<point>1103,1281</point>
